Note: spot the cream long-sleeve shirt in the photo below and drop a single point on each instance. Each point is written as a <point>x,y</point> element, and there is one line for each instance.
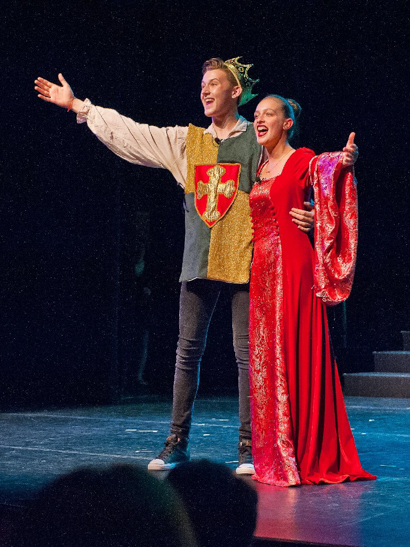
<point>143,144</point>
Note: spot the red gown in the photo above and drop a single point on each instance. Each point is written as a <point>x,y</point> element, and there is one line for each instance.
<point>300,429</point>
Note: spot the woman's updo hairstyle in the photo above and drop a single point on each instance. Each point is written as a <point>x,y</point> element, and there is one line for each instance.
<point>291,109</point>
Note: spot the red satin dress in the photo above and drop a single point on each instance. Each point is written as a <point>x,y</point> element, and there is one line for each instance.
<point>300,430</point>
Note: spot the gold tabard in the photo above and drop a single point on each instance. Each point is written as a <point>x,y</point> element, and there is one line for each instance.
<point>230,251</point>
<point>200,149</point>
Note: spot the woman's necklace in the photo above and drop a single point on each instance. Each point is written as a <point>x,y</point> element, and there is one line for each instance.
<point>270,168</point>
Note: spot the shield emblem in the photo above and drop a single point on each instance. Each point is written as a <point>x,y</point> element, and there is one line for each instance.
<point>216,187</point>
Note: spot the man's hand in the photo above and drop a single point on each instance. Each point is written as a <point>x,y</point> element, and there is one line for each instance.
<point>61,95</point>
<point>350,151</point>
<point>304,218</point>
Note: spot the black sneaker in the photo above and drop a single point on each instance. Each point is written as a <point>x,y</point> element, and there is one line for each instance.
<point>245,466</point>
<point>176,451</point>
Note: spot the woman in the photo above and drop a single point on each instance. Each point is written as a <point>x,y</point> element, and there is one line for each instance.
<point>300,428</point>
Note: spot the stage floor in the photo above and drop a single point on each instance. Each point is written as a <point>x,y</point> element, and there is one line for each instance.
<point>39,445</point>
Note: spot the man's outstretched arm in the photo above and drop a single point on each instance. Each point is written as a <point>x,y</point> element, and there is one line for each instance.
<point>61,95</point>
<point>141,144</point>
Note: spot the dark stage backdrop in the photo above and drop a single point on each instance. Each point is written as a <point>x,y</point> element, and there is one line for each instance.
<point>74,217</point>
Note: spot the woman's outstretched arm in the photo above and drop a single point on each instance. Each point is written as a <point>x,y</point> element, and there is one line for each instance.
<point>350,151</point>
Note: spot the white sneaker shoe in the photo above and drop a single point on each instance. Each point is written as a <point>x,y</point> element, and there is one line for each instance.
<point>245,466</point>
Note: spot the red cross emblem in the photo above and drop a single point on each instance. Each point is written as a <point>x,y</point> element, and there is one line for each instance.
<point>216,187</point>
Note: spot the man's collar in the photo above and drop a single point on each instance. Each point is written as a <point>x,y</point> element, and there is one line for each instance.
<point>241,125</point>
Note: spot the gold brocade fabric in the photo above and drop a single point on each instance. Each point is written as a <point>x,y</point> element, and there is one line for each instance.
<point>228,243</point>
<point>200,149</point>
<point>230,251</point>
<point>272,437</point>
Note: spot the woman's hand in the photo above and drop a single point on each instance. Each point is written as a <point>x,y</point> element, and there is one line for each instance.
<point>350,151</point>
<point>304,218</point>
<point>61,95</point>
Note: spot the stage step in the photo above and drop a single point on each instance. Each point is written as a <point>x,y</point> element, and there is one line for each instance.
<point>406,339</point>
<point>390,379</point>
<point>392,361</point>
<point>377,384</point>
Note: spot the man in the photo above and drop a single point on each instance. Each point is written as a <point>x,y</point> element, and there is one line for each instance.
<point>216,167</point>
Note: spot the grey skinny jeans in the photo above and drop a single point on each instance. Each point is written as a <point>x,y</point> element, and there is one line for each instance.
<point>197,304</point>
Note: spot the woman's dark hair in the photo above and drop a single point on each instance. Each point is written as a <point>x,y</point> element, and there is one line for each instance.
<point>291,109</point>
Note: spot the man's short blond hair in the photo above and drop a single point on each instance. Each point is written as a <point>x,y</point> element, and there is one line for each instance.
<point>215,63</point>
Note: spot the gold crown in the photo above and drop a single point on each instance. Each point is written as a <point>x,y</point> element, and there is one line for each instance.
<point>240,72</point>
